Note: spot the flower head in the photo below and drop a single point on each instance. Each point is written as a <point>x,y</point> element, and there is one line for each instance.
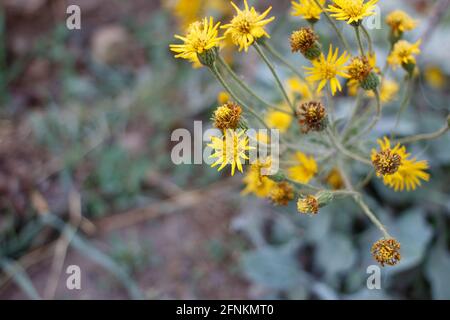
<point>409,172</point>
<point>308,205</point>
<point>282,193</point>
<point>230,149</point>
<point>312,116</point>
<point>352,11</point>
<point>299,87</point>
<point>247,26</point>
<point>386,251</point>
<point>359,68</point>
<point>404,53</point>
<point>278,120</point>
<point>227,116</point>
<point>201,37</point>
<point>328,69</point>
<point>255,182</point>
<point>307,9</point>
<point>387,160</point>
<point>304,170</point>
<point>400,21</point>
<point>334,179</point>
<point>305,41</point>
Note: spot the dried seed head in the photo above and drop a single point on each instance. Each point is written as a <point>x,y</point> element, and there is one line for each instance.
<point>386,162</point>
<point>305,41</point>
<point>359,68</point>
<point>312,116</point>
<point>282,193</point>
<point>386,251</point>
<point>308,205</point>
<point>227,116</point>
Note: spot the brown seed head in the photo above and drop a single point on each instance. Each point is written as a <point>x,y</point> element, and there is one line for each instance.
<point>386,251</point>
<point>308,205</point>
<point>359,68</point>
<point>303,39</point>
<point>227,116</point>
<point>311,116</point>
<point>386,162</point>
<point>282,193</point>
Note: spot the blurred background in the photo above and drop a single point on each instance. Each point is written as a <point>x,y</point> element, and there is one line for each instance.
<point>86,178</point>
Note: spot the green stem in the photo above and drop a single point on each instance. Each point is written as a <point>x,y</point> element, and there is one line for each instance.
<point>425,136</point>
<point>349,123</point>
<point>359,200</point>
<point>375,119</point>
<point>248,89</point>
<point>277,55</point>
<point>344,151</point>
<point>358,37</point>
<point>369,39</point>
<point>333,24</point>
<point>405,101</point>
<point>235,97</point>
<point>274,73</point>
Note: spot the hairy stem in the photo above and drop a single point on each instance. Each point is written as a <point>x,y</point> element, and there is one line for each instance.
<point>274,73</point>
<point>277,55</point>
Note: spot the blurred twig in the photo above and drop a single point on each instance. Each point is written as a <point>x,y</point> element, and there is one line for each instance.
<point>16,272</point>
<point>63,244</point>
<point>175,203</point>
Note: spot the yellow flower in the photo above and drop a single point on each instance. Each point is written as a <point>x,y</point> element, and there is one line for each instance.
<point>388,160</point>
<point>327,69</point>
<point>227,116</point>
<point>231,149</point>
<point>223,97</point>
<point>282,193</point>
<point>352,11</point>
<point>308,205</point>
<point>353,86</point>
<point>388,90</point>
<point>257,183</point>
<point>400,21</point>
<point>305,170</point>
<point>278,120</point>
<point>201,36</point>
<point>247,26</point>
<point>410,171</point>
<point>185,11</point>
<point>386,251</point>
<point>403,53</point>
<point>434,77</point>
<point>307,9</point>
<point>334,179</point>
<point>300,87</point>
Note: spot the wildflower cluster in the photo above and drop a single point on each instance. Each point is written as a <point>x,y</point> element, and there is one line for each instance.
<point>318,152</point>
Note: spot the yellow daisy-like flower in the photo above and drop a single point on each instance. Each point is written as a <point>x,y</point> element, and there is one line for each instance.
<point>410,171</point>
<point>404,53</point>
<point>185,11</point>
<point>256,183</point>
<point>435,77</point>
<point>201,36</point>
<point>305,170</point>
<point>231,148</point>
<point>334,179</point>
<point>307,9</point>
<point>278,120</point>
<point>388,91</point>
<point>223,97</point>
<point>400,21</point>
<point>352,11</point>
<point>297,86</point>
<point>247,26</point>
<point>327,69</point>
